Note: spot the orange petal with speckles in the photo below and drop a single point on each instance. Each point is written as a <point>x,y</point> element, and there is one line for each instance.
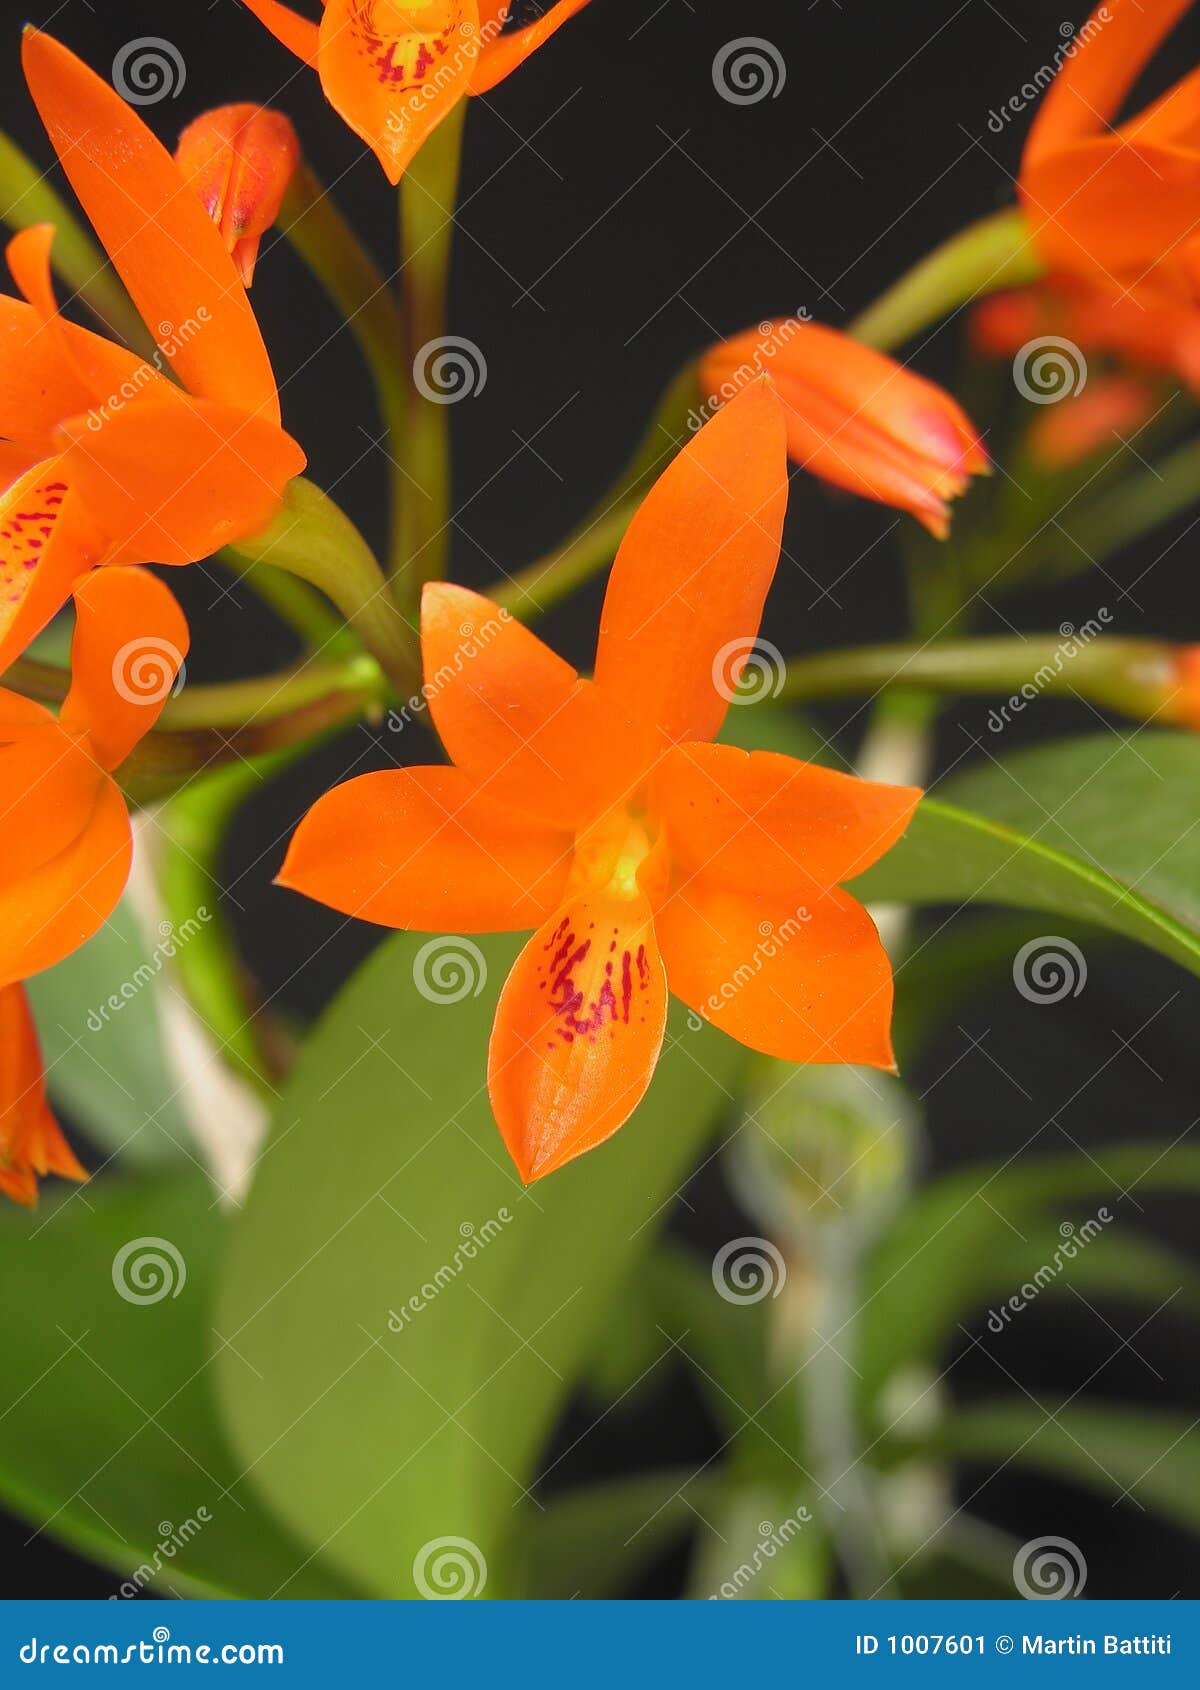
<point>578,1030</point>
<point>47,542</point>
<point>393,72</point>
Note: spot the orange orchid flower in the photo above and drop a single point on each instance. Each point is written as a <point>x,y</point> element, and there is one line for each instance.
<point>240,159</point>
<point>856,417</point>
<point>65,838</point>
<point>599,812</point>
<point>104,459</point>
<point>392,72</point>
<point>1117,203</point>
<point>1146,334</point>
<point>31,1141</point>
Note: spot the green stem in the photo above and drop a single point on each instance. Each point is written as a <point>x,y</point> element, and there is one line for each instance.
<point>593,542</point>
<point>828,1391</point>
<point>164,761</point>
<point>27,198</point>
<point>994,252</point>
<point>541,585</point>
<point>428,193</point>
<point>331,249</point>
<point>1132,676</point>
<point>313,538</point>
<point>192,828</point>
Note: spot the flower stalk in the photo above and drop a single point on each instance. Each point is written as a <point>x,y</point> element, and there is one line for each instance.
<point>428,193</point>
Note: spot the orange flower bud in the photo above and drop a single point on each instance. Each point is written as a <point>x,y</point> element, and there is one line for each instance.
<point>1065,434</point>
<point>855,416</point>
<point>240,160</point>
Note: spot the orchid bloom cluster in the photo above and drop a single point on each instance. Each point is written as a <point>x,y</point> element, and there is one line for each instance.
<point>597,812</point>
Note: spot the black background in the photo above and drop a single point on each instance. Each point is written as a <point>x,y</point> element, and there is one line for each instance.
<point>617,216</point>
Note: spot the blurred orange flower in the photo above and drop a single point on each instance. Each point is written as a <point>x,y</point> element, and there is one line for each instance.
<point>31,1141</point>
<point>1148,334</point>
<point>1116,203</point>
<point>240,159</point>
<point>65,839</point>
<point>1107,410</point>
<point>392,72</point>
<point>599,812</point>
<point>104,459</point>
<point>856,417</point>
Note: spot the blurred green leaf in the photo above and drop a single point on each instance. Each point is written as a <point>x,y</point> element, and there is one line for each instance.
<point>378,1423</point>
<point>1146,1456</point>
<point>1098,829</point>
<point>596,1541</point>
<point>106,1065</point>
<point>108,1437</point>
<point>957,1246</point>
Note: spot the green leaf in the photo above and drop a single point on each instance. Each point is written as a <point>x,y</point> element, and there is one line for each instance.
<point>102,1043</point>
<point>412,1316</point>
<point>956,1247</point>
<point>1099,829</point>
<point>108,1437</point>
<point>1142,1455</point>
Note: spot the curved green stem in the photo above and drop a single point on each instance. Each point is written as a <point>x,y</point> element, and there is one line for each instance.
<point>333,252</point>
<point>992,253</point>
<point>313,538</point>
<point>541,585</point>
<point>1123,674</point>
<point>428,192</point>
<point>26,198</point>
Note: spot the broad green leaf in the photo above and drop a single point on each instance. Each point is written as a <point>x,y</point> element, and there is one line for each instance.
<point>956,1248</point>
<point>1145,1456</point>
<point>596,1541</point>
<point>1100,829</point>
<point>412,1316</point>
<point>108,1437</point>
<point>102,1043</point>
